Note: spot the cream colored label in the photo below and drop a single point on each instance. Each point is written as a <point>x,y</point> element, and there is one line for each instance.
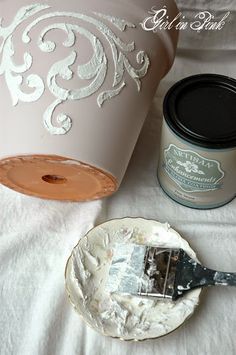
<point>192,172</point>
<point>95,70</point>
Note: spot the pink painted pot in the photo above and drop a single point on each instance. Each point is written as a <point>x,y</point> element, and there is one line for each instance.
<point>76,82</point>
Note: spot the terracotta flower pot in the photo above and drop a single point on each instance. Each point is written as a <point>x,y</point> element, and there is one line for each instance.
<point>76,82</point>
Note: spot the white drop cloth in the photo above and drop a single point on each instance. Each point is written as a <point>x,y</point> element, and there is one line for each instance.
<point>37,236</point>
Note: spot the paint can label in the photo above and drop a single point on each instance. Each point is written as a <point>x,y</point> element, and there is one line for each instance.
<point>191,171</point>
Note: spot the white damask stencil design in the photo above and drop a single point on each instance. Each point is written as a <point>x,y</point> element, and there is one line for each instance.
<point>94,71</point>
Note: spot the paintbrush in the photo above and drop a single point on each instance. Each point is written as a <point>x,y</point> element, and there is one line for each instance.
<point>159,272</point>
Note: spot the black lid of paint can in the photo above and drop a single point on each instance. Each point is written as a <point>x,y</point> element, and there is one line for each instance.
<point>201,109</point>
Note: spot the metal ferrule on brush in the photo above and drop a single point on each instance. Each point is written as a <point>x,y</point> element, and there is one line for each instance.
<point>159,271</point>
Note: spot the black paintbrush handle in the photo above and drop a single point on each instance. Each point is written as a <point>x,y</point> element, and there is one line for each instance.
<point>190,275</point>
<point>207,277</point>
<point>224,278</point>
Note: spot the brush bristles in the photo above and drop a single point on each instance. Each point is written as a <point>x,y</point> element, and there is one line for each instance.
<point>126,271</point>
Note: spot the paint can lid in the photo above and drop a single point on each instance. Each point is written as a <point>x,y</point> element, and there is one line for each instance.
<point>201,109</point>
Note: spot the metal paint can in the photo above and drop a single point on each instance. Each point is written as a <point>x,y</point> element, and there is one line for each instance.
<point>197,165</point>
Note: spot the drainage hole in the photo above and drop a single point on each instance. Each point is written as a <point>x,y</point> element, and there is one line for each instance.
<point>54,179</point>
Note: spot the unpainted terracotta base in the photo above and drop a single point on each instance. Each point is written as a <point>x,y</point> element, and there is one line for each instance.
<point>55,177</point>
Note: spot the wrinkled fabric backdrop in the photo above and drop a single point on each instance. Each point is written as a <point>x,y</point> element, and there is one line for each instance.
<point>37,236</point>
